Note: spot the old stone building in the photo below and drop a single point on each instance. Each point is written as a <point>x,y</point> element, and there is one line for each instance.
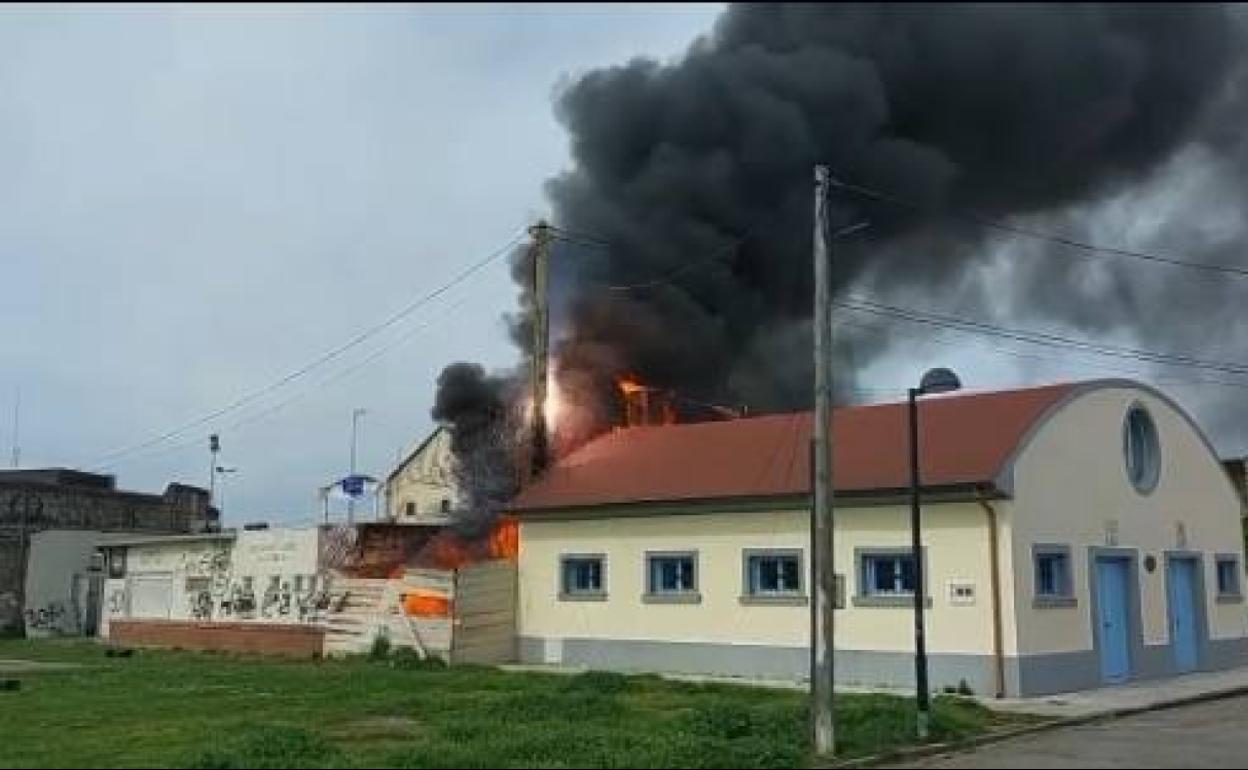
<point>62,499</point>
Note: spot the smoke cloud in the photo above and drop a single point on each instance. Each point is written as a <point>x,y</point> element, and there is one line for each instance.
<point>699,172</point>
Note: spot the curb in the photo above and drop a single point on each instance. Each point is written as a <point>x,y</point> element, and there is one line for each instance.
<point>976,741</point>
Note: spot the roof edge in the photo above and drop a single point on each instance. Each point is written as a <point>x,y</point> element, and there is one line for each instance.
<point>968,491</point>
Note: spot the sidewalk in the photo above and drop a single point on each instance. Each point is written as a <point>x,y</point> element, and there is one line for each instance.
<point>1085,704</point>
<point>1129,698</point>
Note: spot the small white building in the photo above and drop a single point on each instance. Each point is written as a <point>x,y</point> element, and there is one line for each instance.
<point>263,575</point>
<point>1073,534</point>
<point>422,488</point>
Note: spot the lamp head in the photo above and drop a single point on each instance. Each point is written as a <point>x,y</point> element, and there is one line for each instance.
<point>939,380</point>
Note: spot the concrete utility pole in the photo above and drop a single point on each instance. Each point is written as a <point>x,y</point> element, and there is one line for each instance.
<point>823,569</point>
<point>540,449</point>
<point>17,427</point>
<point>356,414</point>
<point>214,447</point>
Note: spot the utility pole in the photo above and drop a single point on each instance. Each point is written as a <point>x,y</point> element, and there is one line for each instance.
<point>540,448</point>
<point>356,414</point>
<point>17,426</point>
<point>214,447</point>
<point>822,683</point>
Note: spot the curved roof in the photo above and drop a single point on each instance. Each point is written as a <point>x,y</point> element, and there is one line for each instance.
<point>965,438</point>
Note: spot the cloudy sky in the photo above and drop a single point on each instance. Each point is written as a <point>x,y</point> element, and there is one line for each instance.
<point>196,202</point>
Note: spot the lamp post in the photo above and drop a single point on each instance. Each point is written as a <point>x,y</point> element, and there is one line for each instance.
<point>356,414</point>
<point>938,380</point>
<point>222,470</point>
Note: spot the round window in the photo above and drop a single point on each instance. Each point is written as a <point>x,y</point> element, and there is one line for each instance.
<point>1142,449</point>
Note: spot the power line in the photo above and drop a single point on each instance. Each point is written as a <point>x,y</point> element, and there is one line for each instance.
<point>665,278</point>
<point>1039,338</point>
<point>255,417</point>
<point>1092,364</point>
<point>996,224</point>
<point>317,362</point>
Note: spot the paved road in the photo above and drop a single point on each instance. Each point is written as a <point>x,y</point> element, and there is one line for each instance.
<point>1211,734</point>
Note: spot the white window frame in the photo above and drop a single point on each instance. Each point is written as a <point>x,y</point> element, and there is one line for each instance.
<point>867,596</point>
<point>568,593</point>
<point>689,595</point>
<point>751,594</point>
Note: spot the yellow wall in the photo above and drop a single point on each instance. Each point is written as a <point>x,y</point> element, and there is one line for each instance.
<point>1071,488</point>
<point>957,548</point>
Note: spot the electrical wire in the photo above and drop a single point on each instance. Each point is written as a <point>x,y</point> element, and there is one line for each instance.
<point>872,307</point>
<point>996,224</point>
<point>325,358</point>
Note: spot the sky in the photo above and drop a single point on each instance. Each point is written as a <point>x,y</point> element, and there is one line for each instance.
<point>196,202</point>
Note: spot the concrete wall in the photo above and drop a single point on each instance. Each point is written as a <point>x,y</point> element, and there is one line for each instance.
<point>62,591</point>
<point>722,633</point>
<point>263,576</point>
<point>1071,488</point>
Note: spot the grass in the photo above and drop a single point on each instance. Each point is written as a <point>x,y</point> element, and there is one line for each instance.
<point>177,709</point>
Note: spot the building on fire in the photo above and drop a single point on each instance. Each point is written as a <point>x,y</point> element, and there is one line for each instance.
<point>1074,535</point>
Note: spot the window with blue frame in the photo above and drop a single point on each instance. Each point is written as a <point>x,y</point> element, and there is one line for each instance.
<point>583,576</point>
<point>1228,576</point>
<point>1053,574</point>
<point>887,574</point>
<point>672,573</point>
<point>773,573</point>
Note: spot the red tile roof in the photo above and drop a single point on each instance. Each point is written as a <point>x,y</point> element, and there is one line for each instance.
<point>965,438</point>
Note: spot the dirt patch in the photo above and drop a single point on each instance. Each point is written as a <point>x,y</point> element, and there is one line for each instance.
<point>11,667</point>
<point>376,728</point>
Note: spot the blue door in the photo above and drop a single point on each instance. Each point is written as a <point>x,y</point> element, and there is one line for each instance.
<point>1114,636</point>
<point>1184,631</point>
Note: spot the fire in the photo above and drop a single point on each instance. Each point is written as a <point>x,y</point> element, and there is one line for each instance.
<point>553,406</point>
<point>628,385</point>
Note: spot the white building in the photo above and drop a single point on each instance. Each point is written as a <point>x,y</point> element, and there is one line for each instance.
<point>422,488</point>
<point>1073,535</point>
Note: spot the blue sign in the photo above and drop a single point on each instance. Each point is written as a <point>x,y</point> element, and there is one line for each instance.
<point>353,486</point>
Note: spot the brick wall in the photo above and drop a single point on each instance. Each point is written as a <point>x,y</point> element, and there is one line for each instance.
<point>260,638</point>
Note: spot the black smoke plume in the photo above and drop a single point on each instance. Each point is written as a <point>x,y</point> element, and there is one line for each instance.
<point>699,172</point>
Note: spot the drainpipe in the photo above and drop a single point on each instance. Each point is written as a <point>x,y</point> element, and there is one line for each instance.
<point>998,651</point>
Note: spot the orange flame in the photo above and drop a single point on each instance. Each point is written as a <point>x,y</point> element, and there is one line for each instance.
<point>628,384</point>
<point>426,604</point>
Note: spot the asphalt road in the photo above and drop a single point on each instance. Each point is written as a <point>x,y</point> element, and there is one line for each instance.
<point>1210,734</point>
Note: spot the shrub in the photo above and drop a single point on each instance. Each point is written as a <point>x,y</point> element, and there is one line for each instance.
<point>407,658</point>
<point>381,647</point>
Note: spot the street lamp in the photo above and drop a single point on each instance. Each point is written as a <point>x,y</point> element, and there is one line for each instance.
<point>222,470</point>
<point>935,381</point>
<point>356,414</point>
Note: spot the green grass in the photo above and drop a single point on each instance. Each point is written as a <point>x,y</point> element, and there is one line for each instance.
<point>176,709</point>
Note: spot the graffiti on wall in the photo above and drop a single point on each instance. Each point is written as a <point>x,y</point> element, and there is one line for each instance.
<point>50,617</point>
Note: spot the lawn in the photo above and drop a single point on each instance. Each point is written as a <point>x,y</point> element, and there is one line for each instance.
<point>177,709</point>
